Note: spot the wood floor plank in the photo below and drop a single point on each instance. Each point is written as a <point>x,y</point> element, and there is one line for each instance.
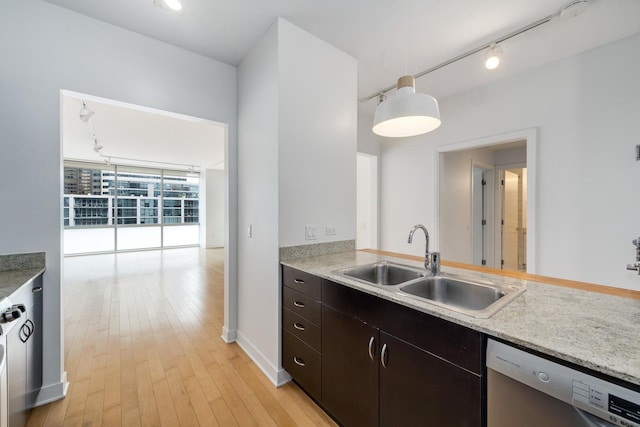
<point>142,347</point>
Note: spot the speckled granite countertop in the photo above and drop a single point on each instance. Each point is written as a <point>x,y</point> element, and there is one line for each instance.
<point>16,270</point>
<point>600,332</point>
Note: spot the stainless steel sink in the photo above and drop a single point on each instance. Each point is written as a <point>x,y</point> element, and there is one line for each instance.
<point>384,273</point>
<point>473,298</point>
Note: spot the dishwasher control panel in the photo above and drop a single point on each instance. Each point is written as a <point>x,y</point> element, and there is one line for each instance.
<point>610,402</point>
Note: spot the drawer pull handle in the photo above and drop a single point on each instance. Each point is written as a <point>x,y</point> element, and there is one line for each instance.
<point>383,356</point>
<point>37,289</point>
<point>298,326</point>
<point>298,361</point>
<point>298,304</point>
<point>371,349</point>
<point>298,281</point>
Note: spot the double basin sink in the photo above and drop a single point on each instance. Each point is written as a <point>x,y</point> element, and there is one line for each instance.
<point>472,297</point>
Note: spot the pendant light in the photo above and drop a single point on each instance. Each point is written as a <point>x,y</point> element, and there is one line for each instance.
<point>407,113</point>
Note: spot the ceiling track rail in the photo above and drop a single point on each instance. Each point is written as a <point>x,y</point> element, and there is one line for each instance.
<point>468,53</point>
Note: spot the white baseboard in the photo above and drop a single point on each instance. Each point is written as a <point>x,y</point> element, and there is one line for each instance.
<point>283,377</point>
<point>52,392</point>
<point>229,336</point>
<point>277,376</point>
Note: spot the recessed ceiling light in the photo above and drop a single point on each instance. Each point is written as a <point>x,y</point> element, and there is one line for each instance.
<point>172,5</point>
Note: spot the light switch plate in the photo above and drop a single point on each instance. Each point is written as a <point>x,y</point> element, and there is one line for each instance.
<point>310,232</point>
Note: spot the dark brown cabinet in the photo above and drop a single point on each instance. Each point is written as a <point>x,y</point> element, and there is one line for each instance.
<point>349,369</point>
<point>420,389</point>
<point>383,364</point>
<point>301,337</point>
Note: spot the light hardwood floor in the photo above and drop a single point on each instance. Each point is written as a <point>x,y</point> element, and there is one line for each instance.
<point>143,348</point>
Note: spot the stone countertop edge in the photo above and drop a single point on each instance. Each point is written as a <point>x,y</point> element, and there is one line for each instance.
<point>18,269</point>
<point>589,329</point>
<point>12,280</point>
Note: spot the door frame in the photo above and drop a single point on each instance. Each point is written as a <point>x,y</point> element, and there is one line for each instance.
<point>498,236</point>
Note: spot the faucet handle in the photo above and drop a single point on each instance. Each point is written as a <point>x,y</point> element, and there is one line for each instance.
<point>434,262</point>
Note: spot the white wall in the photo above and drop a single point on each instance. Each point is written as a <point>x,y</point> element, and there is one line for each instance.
<point>318,137</point>
<point>258,270</point>
<point>297,161</point>
<point>214,209</point>
<point>586,111</point>
<point>46,48</point>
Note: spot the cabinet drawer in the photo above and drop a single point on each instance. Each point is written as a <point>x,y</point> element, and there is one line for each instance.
<point>302,328</point>
<point>302,305</point>
<point>303,282</point>
<point>303,363</point>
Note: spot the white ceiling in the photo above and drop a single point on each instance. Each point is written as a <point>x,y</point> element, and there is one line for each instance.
<point>373,32</point>
<point>140,136</point>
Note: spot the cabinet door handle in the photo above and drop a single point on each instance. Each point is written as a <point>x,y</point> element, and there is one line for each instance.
<point>383,356</point>
<point>24,333</point>
<point>36,290</point>
<point>298,326</point>
<point>298,361</point>
<point>372,342</point>
<point>298,281</point>
<point>32,328</point>
<point>298,304</point>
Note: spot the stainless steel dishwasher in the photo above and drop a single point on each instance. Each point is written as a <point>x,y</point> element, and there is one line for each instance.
<point>525,390</point>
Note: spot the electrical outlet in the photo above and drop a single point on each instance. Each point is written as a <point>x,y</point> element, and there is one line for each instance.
<point>330,230</point>
<point>311,232</point>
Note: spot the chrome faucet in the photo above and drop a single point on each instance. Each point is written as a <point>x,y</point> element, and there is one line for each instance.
<point>431,259</point>
<point>636,265</point>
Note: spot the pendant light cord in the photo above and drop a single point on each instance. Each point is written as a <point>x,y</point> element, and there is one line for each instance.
<point>406,36</point>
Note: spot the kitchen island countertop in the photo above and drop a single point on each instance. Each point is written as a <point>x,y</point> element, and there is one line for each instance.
<point>594,330</point>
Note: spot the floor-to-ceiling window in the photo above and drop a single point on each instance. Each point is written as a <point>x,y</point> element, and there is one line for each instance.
<point>115,208</point>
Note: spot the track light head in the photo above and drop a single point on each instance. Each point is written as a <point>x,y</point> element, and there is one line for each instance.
<point>493,57</point>
<point>85,112</point>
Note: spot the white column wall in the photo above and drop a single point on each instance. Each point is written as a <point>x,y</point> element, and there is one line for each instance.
<point>45,49</point>
<point>258,255</point>
<point>586,111</point>
<point>297,163</point>
<point>318,138</point>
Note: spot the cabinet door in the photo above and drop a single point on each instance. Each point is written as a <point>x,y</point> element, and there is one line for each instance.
<point>419,389</point>
<point>349,369</point>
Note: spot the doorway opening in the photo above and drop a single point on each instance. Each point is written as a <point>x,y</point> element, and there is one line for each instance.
<point>513,218</point>
<point>486,201</point>
<point>137,178</point>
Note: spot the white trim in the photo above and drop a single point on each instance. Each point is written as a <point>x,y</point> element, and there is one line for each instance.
<point>229,336</point>
<point>277,376</point>
<point>53,392</point>
<point>531,136</point>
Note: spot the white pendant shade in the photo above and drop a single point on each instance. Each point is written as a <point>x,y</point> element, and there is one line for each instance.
<point>407,113</point>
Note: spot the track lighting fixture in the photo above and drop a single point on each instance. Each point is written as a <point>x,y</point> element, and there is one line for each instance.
<point>96,147</point>
<point>85,112</point>
<point>492,59</point>
<point>493,50</point>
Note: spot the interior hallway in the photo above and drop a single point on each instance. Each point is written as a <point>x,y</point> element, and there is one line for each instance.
<point>143,348</point>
